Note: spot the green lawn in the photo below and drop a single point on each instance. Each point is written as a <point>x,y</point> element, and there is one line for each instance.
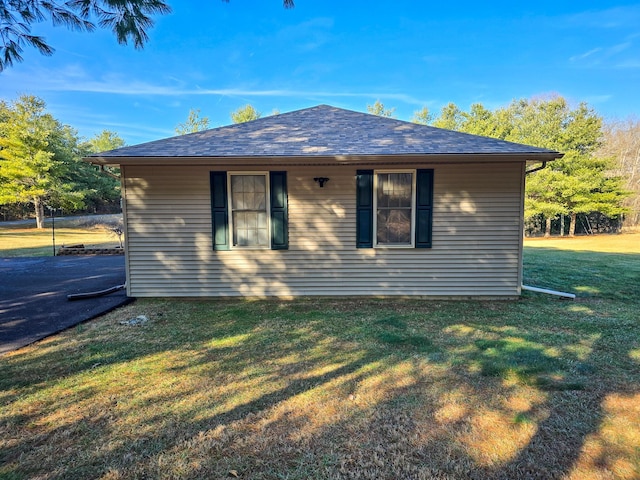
<point>339,388</point>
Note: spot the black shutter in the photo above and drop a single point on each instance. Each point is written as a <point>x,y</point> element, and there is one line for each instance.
<point>279,218</point>
<point>219,211</point>
<point>424,208</point>
<point>364,209</point>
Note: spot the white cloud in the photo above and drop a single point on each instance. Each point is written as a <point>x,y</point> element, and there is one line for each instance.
<point>75,79</point>
<point>617,17</point>
<point>309,35</point>
<point>588,54</point>
<point>621,47</point>
<point>631,63</point>
<point>605,55</point>
<point>596,99</point>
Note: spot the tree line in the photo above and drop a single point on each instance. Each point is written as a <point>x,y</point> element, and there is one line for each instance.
<point>41,167</point>
<point>597,182</point>
<point>598,178</point>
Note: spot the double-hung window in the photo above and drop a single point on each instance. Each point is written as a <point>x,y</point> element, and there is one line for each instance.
<point>249,210</point>
<point>394,208</point>
<point>249,207</point>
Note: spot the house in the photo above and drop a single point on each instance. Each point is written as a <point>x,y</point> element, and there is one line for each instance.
<point>324,201</point>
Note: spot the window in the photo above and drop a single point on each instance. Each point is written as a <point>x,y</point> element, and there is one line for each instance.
<point>394,208</point>
<point>249,210</point>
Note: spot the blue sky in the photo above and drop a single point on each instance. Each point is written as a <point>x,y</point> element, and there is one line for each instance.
<point>217,57</point>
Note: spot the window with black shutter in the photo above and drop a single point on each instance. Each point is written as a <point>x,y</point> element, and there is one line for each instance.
<point>394,208</point>
<point>249,210</point>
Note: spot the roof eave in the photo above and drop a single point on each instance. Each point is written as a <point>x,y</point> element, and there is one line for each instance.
<point>334,159</point>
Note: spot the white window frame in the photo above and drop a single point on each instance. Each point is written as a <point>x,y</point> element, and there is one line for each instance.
<point>268,210</point>
<point>411,244</point>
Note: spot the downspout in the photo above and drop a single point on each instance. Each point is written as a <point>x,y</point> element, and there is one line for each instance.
<point>544,165</point>
<point>548,291</point>
<point>107,172</point>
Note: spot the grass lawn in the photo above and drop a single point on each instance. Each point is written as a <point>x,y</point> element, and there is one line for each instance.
<point>361,388</point>
<point>27,241</point>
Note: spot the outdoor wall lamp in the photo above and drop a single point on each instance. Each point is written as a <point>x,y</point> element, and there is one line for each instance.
<point>321,180</point>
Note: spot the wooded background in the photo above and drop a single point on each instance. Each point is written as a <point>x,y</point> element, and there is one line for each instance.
<point>594,188</point>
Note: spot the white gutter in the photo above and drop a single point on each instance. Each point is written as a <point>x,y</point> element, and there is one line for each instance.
<point>550,292</point>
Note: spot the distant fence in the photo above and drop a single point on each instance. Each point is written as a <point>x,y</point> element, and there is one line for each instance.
<point>81,250</point>
<point>586,224</point>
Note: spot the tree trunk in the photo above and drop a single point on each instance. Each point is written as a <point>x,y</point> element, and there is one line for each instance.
<point>572,224</point>
<point>547,227</point>
<point>39,206</point>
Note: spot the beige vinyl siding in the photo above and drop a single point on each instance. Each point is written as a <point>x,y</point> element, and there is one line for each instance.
<point>476,237</point>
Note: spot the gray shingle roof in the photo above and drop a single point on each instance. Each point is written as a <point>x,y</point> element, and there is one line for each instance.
<point>324,131</point>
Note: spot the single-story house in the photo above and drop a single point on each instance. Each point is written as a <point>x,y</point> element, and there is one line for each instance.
<point>324,201</point>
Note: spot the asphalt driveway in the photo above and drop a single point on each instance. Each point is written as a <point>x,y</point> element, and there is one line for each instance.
<point>33,294</point>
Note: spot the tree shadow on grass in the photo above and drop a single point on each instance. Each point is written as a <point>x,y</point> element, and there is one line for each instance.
<point>391,442</point>
<point>388,439</point>
<point>377,397</point>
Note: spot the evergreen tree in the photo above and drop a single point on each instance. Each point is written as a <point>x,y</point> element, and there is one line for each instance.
<point>37,158</point>
<point>102,185</point>
<point>245,114</point>
<point>103,142</point>
<point>193,124</point>
<point>128,20</point>
<point>379,109</point>
<point>450,118</point>
<point>422,117</point>
<point>578,183</point>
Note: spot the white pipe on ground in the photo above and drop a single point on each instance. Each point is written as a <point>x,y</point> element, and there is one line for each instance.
<point>550,292</point>
<point>100,293</point>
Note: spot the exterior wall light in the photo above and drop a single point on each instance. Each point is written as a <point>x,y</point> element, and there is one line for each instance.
<point>321,180</point>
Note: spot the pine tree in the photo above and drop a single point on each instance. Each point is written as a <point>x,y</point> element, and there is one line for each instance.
<point>37,154</point>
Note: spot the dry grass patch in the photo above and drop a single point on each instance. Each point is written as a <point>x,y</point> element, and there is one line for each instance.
<point>323,388</point>
<point>617,442</point>
<point>623,243</point>
<point>27,241</point>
